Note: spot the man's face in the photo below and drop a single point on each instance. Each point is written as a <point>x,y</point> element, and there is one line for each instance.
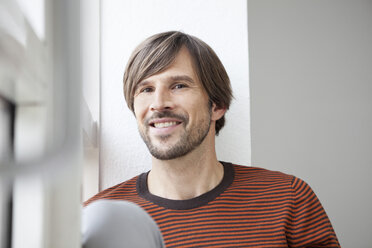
<point>172,110</point>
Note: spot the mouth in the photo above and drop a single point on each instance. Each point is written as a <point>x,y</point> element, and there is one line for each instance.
<point>164,123</point>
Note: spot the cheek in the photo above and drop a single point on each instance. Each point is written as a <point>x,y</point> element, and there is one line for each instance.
<point>140,120</point>
<point>139,109</point>
<point>199,112</point>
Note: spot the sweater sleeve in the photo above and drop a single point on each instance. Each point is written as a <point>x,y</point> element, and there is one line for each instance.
<point>309,225</point>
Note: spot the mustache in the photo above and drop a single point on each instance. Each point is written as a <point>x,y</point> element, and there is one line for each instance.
<point>167,114</point>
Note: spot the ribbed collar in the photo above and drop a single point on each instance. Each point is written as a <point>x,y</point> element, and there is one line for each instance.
<point>201,200</point>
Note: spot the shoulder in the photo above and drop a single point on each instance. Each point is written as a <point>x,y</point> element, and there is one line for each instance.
<point>257,174</point>
<point>121,191</point>
<point>249,175</point>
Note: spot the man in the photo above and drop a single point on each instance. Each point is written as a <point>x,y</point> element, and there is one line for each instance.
<point>179,92</point>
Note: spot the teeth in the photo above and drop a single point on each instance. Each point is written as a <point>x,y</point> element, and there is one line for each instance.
<point>165,124</point>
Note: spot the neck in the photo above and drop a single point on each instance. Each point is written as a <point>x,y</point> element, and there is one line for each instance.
<point>186,177</point>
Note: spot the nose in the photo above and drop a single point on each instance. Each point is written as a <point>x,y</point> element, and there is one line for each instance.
<point>161,101</point>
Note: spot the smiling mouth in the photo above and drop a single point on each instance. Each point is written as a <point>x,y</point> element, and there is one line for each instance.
<point>165,124</point>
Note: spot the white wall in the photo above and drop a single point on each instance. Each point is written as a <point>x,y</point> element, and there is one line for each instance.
<point>90,109</point>
<point>222,24</point>
<point>311,108</point>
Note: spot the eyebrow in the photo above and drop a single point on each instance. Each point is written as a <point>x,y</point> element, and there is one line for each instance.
<point>171,78</point>
<point>182,78</point>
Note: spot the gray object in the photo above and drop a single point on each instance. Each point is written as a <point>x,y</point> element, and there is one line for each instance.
<point>114,224</point>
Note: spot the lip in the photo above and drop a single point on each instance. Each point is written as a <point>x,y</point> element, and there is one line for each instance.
<point>163,120</point>
<point>164,130</point>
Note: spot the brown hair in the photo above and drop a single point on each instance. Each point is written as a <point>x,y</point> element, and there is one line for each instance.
<point>156,54</point>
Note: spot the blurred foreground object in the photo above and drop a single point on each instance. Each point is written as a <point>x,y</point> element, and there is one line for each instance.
<point>40,148</point>
<point>119,224</point>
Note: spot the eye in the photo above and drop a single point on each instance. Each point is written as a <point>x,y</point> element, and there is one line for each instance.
<point>146,90</point>
<point>179,86</point>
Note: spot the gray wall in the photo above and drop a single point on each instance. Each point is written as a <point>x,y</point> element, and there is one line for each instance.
<point>311,102</point>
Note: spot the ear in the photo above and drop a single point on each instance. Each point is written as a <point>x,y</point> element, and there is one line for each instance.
<point>217,112</point>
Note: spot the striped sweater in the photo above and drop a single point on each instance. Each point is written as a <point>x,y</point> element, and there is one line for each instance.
<point>251,207</point>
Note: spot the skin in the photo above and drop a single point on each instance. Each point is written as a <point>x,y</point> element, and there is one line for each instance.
<point>176,98</point>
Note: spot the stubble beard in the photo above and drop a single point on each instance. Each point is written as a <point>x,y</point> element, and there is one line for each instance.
<point>189,140</point>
